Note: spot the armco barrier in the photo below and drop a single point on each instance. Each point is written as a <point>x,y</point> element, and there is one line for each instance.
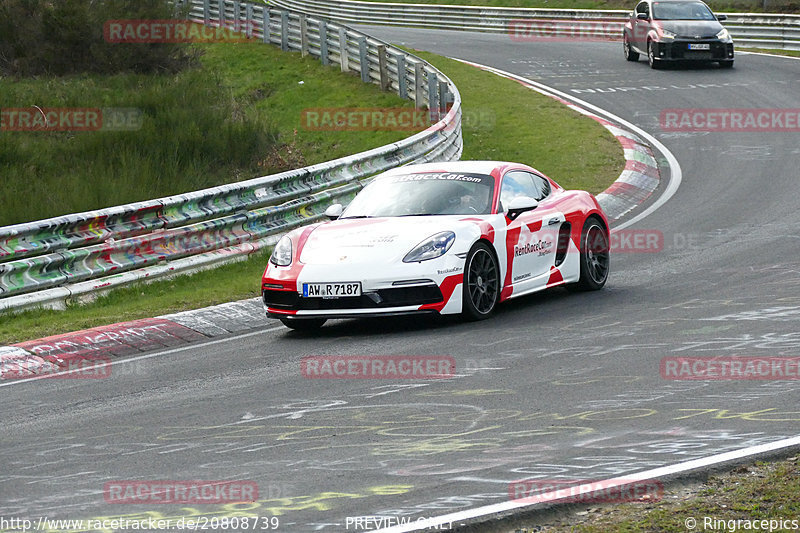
<point>749,30</point>
<point>45,262</point>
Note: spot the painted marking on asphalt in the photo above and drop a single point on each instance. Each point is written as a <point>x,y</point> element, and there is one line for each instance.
<point>676,173</point>
<point>767,55</point>
<point>148,356</point>
<point>687,466</point>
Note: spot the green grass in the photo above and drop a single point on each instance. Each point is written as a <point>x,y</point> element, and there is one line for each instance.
<point>49,174</point>
<point>284,84</point>
<point>763,491</point>
<point>503,121</point>
<point>235,118</point>
<point>728,6</point>
<point>790,53</point>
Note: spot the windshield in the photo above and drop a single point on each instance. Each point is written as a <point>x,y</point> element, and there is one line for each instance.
<point>681,11</point>
<point>434,193</point>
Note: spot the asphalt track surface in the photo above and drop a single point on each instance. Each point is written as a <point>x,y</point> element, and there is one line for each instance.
<point>556,385</point>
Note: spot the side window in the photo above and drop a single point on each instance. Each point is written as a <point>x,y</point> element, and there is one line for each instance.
<point>642,8</point>
<point>520,183</point>
<point>543,185</point>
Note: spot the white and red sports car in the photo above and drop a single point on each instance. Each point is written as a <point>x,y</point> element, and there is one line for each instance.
<point>445,238</point>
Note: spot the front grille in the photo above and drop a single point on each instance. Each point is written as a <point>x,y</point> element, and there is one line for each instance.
<point>394,297</point>
<point>695,38</point>
<point>424,294</point>
<point>680,50</point>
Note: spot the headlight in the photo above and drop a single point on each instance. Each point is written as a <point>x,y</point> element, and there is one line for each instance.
<point>282,253</point>
<point>666,34</point>
<point>431,248</point>
<point>723,35</point>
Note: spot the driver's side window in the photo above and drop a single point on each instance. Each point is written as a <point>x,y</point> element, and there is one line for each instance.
<point>518,183</point>
<point>643,8</point>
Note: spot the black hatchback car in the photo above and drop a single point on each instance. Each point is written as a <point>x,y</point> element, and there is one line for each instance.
<point>676,30</point>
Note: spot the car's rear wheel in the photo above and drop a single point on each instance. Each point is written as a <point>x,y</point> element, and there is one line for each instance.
<point>655,63</point>
<point>630,53</point>
<point>595,256</point>
<point>303,324</point>
<point>481,283</point>
<point>726,63</point>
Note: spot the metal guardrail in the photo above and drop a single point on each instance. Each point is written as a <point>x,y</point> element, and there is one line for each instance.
<point>749,30</point>
<point>48,261</point>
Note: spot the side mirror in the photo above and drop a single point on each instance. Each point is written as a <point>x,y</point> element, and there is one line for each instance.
<point>334,211</point>
<point>642,16</point>
<point>520,204</point>
<point>722,17</point>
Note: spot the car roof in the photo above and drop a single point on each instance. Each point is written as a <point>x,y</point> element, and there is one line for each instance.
<point>474,167</point>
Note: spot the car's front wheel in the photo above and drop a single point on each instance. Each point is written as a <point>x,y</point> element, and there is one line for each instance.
<point>303,324</point>
<point>630,53</point>
<point>595,256</point>
<point>481,283</point>
<point>655,63</point>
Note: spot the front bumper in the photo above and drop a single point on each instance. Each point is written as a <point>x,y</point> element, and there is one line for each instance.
<point>392,300</point>
<point>432,286</point>
<point>678,50</point>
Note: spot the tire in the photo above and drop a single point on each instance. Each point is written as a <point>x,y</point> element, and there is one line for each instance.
<point>595,256</point>
<point>303,324</point>
<point>726,64</point>
<point>630,53</point>
<point>481,283</point>
<point>655,64</point>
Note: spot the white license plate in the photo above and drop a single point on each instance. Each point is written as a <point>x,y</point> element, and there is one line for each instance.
<point>331,290</point>
<point>699,46</point>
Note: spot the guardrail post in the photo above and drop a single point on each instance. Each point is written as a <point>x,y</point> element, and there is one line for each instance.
<point>237,12</point>
<point>207,12</point>
<point>303,36</point>
<point>419,95</point>
<point>265,20</point>
<point>249,20</point>
<point>344,55</point>
<point>323,43</point>
<point>443,97</point>
<point>402,88</point>
<point>383,68</point>
<point>433,88</point>
<point>284,30</point>
<point>363,58</point>
<point>220,13</point>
